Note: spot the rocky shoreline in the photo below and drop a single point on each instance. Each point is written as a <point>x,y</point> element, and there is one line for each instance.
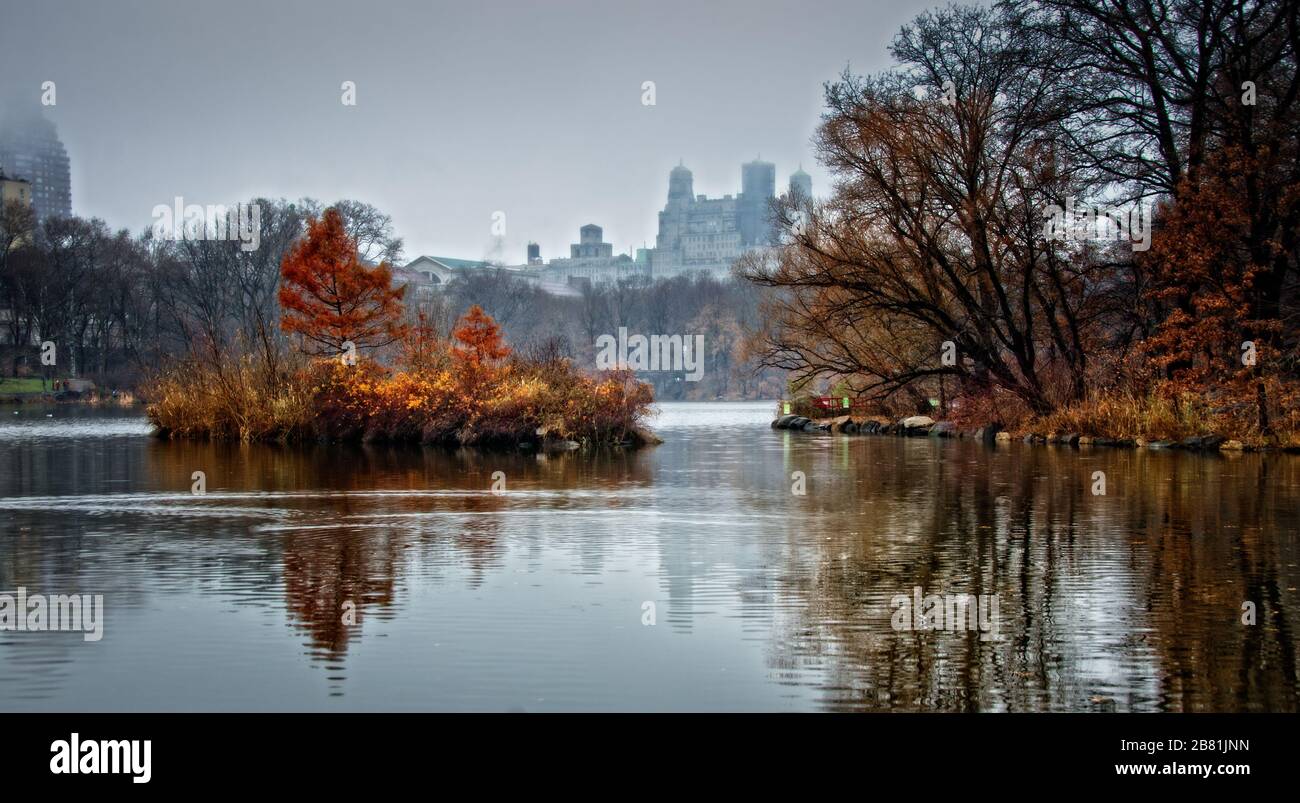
<point>926,427</point>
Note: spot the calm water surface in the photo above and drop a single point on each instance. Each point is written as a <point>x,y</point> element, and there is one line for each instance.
<point>534,599</point>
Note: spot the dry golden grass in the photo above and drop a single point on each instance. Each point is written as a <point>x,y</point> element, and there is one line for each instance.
<point>242,399</point>
<point>1163,417</point>
<point>246,399</point>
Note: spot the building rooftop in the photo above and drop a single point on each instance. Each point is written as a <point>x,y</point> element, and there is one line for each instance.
<point>452,262</point>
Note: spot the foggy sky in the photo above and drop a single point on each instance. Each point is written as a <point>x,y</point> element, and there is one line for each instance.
<point>463,109</point>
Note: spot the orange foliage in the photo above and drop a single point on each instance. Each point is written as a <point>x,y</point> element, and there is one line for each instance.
<point>479,396</point>
<point>479,344</point>
<point>472,391</point>
<point>1212,284</point>
<point>330,298</point>
<point>478,350</point>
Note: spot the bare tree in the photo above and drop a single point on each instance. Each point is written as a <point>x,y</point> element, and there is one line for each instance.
<point>934,233</point>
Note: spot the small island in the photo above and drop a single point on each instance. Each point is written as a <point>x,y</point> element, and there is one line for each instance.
<point>347,365</point>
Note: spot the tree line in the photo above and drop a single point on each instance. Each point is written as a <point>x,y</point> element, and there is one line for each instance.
<point>724,311</point>
<point>933,269</point>
<point>117,305</point>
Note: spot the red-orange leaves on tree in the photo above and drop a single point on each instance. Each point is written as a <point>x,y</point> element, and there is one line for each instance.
<point>478,348</point>
<point>1224,337</point>
<point>330,298</point>
<point>478,339</point>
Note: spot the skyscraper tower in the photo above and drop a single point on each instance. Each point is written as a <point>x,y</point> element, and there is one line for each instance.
<point>801,183</point>
<point>754,207</point>
<point>30,149</point>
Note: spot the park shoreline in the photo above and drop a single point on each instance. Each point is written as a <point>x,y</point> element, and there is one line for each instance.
<point>992,434</point>
<point>91,398</point>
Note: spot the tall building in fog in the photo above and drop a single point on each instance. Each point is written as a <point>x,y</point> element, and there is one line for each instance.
<point>754,208</point>
<point>698,233</point>
<point>801,183</point>
<point>30,149</point>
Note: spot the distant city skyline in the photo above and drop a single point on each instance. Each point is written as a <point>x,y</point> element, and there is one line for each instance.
<point>697,235</point>
<point>461,111</point>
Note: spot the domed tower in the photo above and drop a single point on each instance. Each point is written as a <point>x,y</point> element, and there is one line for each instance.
<point>672,219</point>
<point>681,185</point>
<point>800,184</point>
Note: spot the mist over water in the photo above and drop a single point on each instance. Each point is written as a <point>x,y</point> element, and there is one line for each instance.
<point>534,599</point>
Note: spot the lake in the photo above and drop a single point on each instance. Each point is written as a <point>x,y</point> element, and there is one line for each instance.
<point>732,568</point>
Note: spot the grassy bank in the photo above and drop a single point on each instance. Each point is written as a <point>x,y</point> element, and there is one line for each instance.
<point>1170,418</point>
<point>1117,417</point>
<point>14,386</point>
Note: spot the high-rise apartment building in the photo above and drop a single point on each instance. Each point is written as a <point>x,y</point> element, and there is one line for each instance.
<point>30,149</point>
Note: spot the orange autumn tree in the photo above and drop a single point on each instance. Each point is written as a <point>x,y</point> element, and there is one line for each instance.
<point>330,298</point>
<point>1220,340</point>
<point>478,348</point>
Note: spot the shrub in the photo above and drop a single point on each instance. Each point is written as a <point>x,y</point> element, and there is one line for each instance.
<point>240,398</point>
<point>472,391</point>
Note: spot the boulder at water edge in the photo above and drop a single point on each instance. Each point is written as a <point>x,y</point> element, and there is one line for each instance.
<point>916,424</point>
<point>943,429</point>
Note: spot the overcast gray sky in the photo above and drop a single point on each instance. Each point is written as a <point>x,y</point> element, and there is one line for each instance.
<point>463,109</point>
